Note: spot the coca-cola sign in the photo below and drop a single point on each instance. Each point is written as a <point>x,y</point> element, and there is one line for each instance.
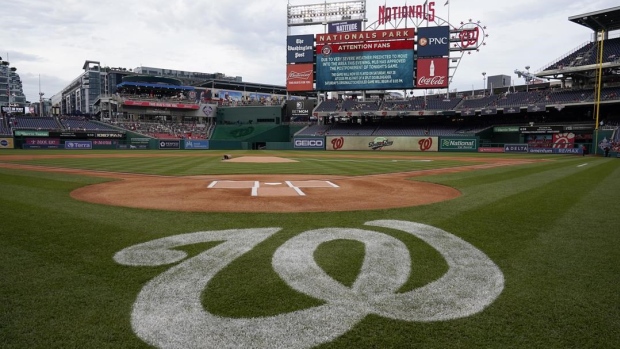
<point>435,81</point>
<point>432,73</point>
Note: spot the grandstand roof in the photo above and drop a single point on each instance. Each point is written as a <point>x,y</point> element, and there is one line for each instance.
<point>608,19</point>
<point>251,87</point>
<point>162,86</point>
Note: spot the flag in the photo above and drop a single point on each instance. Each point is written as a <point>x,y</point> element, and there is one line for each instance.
<point>447,2</point>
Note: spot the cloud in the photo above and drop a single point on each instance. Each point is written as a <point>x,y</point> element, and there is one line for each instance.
<point>247,38</point>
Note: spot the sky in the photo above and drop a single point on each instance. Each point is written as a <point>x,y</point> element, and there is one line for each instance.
<point>48,41</point>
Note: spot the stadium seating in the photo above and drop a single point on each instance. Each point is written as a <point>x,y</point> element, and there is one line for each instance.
<point>35,123</point>
<point>586,55</point>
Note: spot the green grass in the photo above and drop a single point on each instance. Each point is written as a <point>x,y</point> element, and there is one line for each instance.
<point>551,227</point>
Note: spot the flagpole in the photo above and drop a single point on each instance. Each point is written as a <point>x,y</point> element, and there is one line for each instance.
<point>8,80</point>
<point>449,30</point>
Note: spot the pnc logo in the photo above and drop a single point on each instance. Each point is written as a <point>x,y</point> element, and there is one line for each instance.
<point>471,283</point>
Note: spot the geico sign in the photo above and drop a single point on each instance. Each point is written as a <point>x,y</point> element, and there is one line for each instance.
<point>309,143</point>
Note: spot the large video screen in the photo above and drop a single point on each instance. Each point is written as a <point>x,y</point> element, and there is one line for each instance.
<point>365,66</point>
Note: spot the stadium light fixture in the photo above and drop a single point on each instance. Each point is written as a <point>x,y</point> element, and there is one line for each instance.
<point>300,15</point>
<point>484,83</point>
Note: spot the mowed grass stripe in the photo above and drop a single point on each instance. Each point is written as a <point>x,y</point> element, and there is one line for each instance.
<point>179,165</point>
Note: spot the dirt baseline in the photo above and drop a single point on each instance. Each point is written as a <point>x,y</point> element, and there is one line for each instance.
<point>264,193</point>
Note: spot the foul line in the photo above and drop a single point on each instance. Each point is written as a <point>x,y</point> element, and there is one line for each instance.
<point>582,165</point>
<point>301,193</point>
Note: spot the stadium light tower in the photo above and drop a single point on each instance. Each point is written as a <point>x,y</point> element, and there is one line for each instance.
<point>527,79</point>
<point>484,83</point>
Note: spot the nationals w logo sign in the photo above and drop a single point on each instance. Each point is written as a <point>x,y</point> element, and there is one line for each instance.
<point>168,311</point>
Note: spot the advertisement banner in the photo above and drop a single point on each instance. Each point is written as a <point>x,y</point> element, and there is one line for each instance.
<point>344,27</point>
<point>433,41</point>
<point>541,129</point>
<point>31,146</point>
<point>196,145</point>
<point>299,111</point>
<point>512,110</point>
<point>489,111</point>
<point>300,48</point>
<point>432,73</point>
<point>468,112</point>
<point>490,150</point>
<point>72,145</point>
<point>563,140</point>
<point>458,144</point>
<point>299,77</point>
<point>6,143</point>
<point>159,104</point>
<point>11,110</point>
<point>555,151</point>
<point>536,108</point>
<point>105,142</point>
<point>27,133</point>
<point>502,129</point>
<point>516,148</point>
<point>169,144</point>
<point>424,144</point>
<point>365,66</point>
<point>42,141</point>
<point>133,146</point>
<point>363,36</point>
<point>309,143</point>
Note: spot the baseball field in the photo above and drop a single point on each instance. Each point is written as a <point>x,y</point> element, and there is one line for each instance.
<point>308,249</point>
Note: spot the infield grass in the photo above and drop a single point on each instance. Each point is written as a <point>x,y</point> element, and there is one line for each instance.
<point>551,227</point>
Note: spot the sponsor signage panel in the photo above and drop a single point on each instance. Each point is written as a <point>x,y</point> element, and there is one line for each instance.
<point>541,129</point>
<point>6,109</point>
<point>501,129</point>
<point>300,77</point>
<point>536,108</point>
<point>458,144</point>
<point>169,144</point>
<point>424,144</point>
<point>42,141</point>
<point>516,148</point>
<point>160,104</point>
<point>84,135</point>
<point>468,112</point>
<point>490,150</point>
<point>362,36</point>
<point>488,111</point>
<point>26,133</point>
<point>196,145</point>
<point>300,48</point>
<point>6,143</point>
<point>365,66</point>
<point>344,27</point>
<point>71,145</point>
<point>309,143</point>
<point>433,41</point>
<point>133,146</point>
<point>432,73</point>
<point>512,110</point>
<point>555,151</point>
<point>300,110</point>
<point>104,142</point>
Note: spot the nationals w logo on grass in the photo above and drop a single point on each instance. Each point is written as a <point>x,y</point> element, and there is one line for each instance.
<point>168,312</point>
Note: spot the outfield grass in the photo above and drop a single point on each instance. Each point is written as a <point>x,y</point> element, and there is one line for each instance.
<point>551,227</point>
